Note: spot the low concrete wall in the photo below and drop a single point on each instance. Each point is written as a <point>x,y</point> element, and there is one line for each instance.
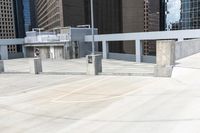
<point>187,48</point>
<point>131,57</point>
<point>15,55</point>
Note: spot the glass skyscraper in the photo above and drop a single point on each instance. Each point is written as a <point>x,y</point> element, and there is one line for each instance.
<point>182,14</point>
<point>24,16</point>
<point>27,15</point>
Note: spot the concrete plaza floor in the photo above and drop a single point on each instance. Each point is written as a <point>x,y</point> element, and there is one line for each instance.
<point>78,66</point>
<point>102,104</point>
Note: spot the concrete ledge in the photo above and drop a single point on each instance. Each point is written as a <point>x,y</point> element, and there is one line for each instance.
<point>163,71</point>
<point>186,48</point>
<point>1,66</point>
<point>35,66</point>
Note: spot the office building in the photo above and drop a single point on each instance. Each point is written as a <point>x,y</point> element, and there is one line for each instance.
<point>52,14</point>
<point>7,23</point>
<point>24,11</point>
<point>140,16</point>
<point>107,18</point>
<point>123,16</point>
<point>19,18</point>
<point>111,16</point>
<point>181,14</point>
<point>7,19</point>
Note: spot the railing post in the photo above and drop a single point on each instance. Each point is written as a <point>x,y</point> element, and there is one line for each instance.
<point>1,66</point>
<point>4,52</point>
<point>35,66</point>
<point>138,50</point>
<point>105,49</point>
<point>94,64</point>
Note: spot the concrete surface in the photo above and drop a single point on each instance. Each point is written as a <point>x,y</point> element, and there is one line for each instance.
<point>165,58</point>
<point>78,67</point>
<point>102,104</point>
<point>187,47</point>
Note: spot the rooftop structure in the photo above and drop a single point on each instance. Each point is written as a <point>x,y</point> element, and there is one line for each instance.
<point>65,42</point>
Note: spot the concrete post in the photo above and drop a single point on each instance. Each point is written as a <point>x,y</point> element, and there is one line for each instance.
<point>138,50</point>
<point>165,58</point>
<point>4,52</point>
<point>105,49</point>
<point>180,39</point>
<point>52,52</point>
<point>1,66</point>
<point>94,64</point>
<point>24,51</point>
<point>35,66</point>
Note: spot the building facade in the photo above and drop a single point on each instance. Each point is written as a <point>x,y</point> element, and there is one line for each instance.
<point>23,16</point>
<point>140,16</point>
<point>7,19</point>
<point>52,14</point>
<point>111,16</point>
<point>181,14</point>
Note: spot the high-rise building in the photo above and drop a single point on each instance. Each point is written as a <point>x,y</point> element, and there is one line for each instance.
<point>51,14</point>
<point>7,19</point>
<point>122,16</point>
<point>27,15</point>
<point>24,11</point>
<point>19,18</point>
<point>110,16</point>
<point>141,16</point>
<point>107,18</point>
<point>181,14</point>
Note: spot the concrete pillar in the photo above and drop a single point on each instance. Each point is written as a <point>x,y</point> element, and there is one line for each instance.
<point>1,66</point>
<point>105,49</point>
<point>24,51</point>
<point>4,52</point>
<point>35,65</point>
<point>180,39</point>
<point>138,50</point>
<point>94,64</point>
<point>52,52</point>
<point>165,58</point>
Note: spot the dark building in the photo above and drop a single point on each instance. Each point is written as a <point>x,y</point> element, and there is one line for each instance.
<point>19,18</point>
<point>140,16</point>
<point>123,16</point>
<point>52,14</point>
<point>181,14</point>
<point>107,18</point>
<point>24,16</point>
<point>27,15</point>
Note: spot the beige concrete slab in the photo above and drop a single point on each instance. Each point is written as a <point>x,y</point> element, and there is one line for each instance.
<point>100,104</point>
<point>78,66</point>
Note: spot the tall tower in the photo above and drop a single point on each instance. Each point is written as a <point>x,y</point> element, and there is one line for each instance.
<point>51,14</point>
<point>7,19</point>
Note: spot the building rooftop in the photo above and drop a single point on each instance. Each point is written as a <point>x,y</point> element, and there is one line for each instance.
<point>102,104</point>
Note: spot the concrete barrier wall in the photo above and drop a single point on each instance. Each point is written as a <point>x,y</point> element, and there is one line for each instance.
<point>187,48</point>
<point>15,55</point>
<point>131,57</point>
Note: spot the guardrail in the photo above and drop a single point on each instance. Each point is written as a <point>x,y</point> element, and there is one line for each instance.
<point>179,35</point>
